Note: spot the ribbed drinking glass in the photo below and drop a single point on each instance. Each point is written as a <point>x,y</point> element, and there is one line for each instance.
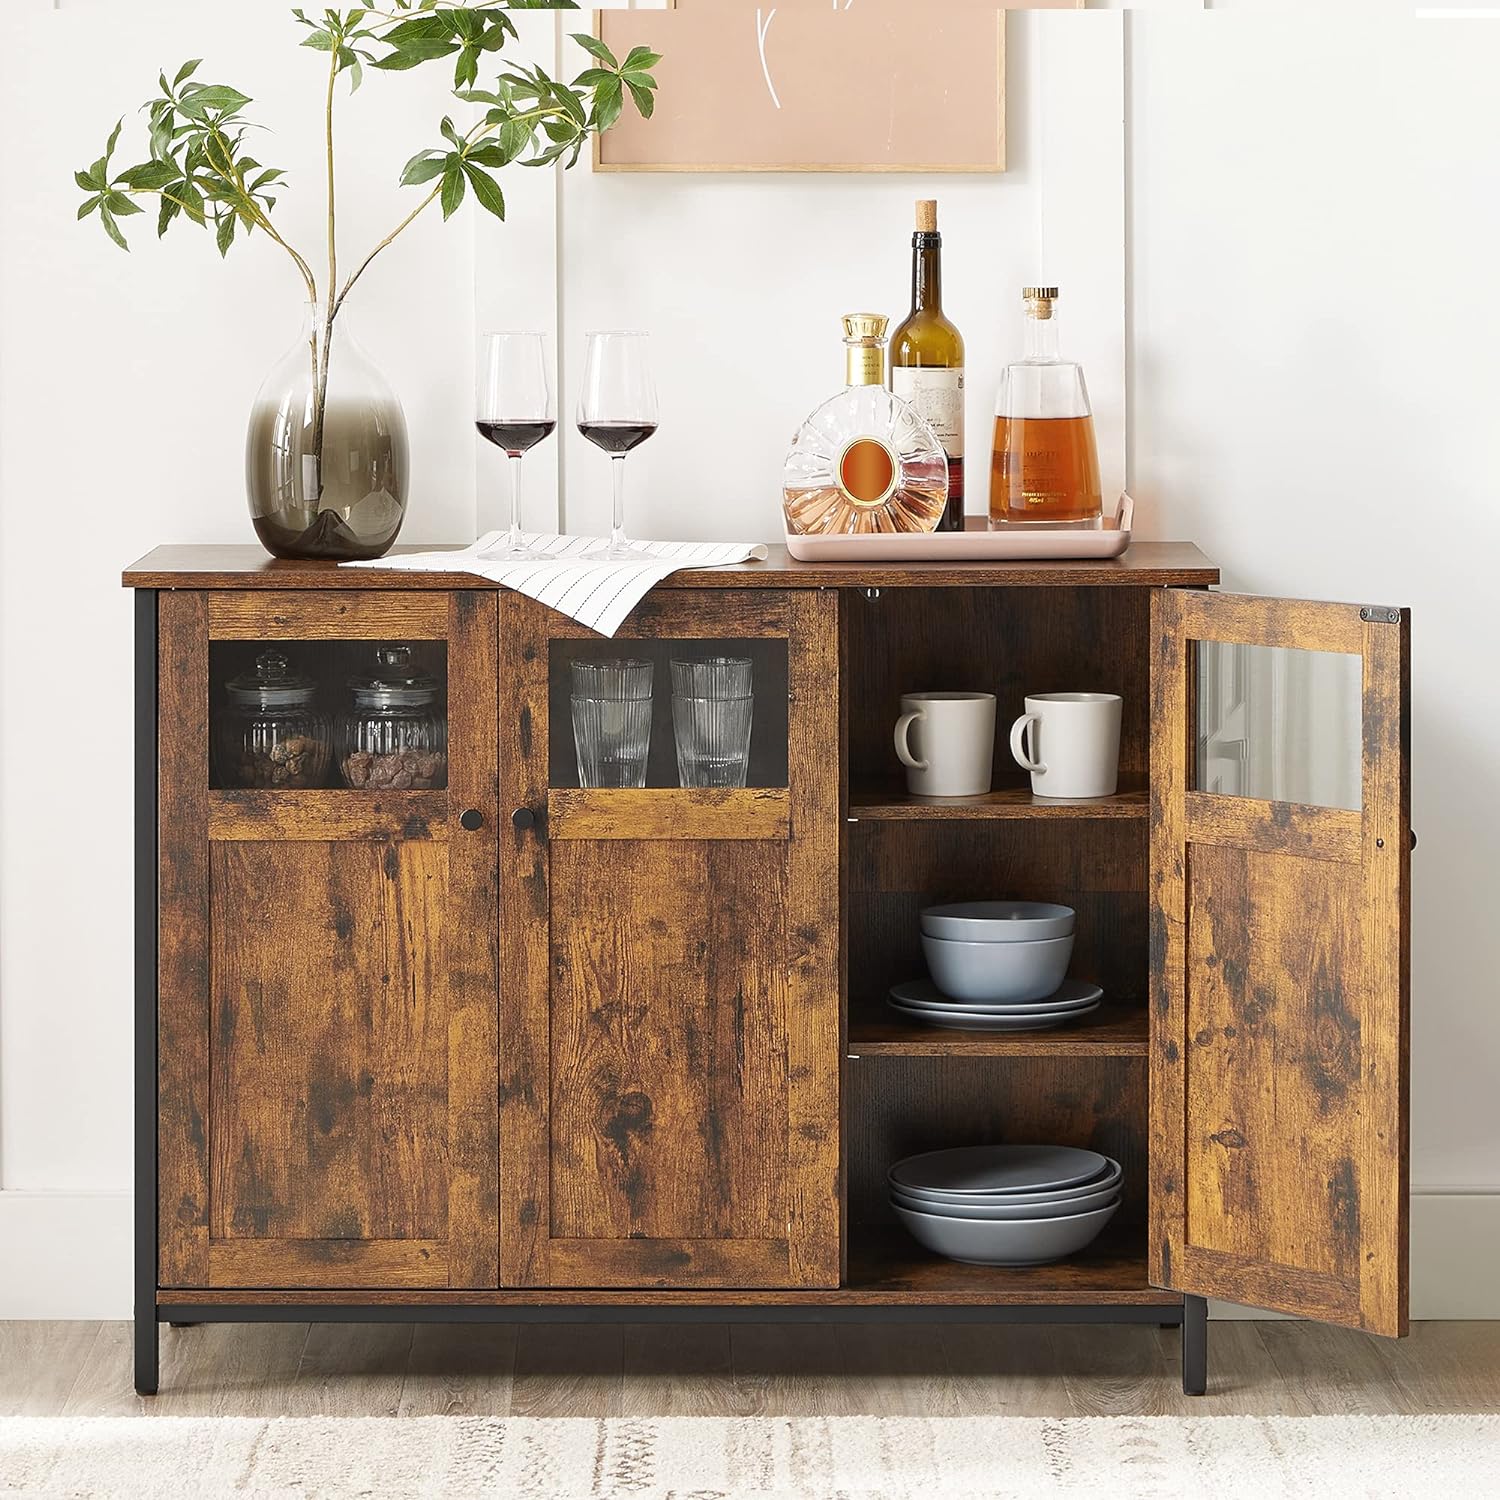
<point>713,709</point>
<point>611,703</point>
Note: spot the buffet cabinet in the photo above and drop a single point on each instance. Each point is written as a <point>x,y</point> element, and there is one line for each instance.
<point>506,1048</point>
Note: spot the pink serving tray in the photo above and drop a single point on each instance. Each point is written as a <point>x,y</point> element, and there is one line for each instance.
<point>976,544</point>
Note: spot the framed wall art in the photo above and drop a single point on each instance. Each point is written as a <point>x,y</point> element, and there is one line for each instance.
<point>833,86</point>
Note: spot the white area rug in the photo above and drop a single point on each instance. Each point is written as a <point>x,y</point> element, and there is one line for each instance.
<point>705,1458</point>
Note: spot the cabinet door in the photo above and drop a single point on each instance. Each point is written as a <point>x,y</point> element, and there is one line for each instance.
<point>1280,845</point>
<point>327,1073</point>
<point>669,966</point>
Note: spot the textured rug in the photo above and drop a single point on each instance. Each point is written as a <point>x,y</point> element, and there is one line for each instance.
<point>705,1458</point>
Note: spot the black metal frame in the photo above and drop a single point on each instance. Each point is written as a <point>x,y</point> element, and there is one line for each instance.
<point>1191,1316</point>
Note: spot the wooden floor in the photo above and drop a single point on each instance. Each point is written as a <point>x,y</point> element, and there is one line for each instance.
<point>297,1369</point>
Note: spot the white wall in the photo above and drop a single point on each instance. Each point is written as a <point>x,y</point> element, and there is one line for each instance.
<point>1285,402</point>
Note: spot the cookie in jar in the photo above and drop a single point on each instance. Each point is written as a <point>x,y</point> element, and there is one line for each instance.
<point>272,734</point>
<point>394,737</point>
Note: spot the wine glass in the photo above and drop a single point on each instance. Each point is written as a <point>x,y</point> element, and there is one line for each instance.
<point>516,412</point>
<point>617,410</point>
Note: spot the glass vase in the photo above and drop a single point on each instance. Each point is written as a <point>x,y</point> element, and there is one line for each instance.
<point>326,456</point>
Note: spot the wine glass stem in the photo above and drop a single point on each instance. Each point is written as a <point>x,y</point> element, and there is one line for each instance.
<point>617,542</point>
<point>514,540</point>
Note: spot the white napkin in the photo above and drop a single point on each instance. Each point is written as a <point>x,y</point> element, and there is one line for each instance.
<point>570,576</point>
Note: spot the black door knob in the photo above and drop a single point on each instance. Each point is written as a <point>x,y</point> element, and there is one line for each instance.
<point>522,819</point>
<point>472,819</point>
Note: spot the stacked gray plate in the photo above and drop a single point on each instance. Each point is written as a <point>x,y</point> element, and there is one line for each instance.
<point>1006,1205</point>
<point>921,1001</point>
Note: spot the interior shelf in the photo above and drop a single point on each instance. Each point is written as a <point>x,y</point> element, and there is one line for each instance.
<point>891,802</point>
<point>1113,1031</point>
<point>1112,1269</point>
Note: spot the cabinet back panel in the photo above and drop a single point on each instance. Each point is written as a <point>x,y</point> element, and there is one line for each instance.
<point>328,1066</point>
<point>896,869</point>
<point>898,1106</point>
<point>669,1072</point>
<point>1009,642</point>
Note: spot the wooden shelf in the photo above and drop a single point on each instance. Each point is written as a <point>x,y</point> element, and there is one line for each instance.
<point>883,1260</point>
<point>1112,1031</point>
<point>893,803</point>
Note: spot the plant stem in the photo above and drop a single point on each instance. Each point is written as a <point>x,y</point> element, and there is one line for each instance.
<point>258,214</point>
<point>320,400</point>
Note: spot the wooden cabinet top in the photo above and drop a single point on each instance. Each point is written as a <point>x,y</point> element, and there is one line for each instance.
<point>1146,564</point>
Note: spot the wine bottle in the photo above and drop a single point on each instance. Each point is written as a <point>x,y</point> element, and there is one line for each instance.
<point>927,358</point>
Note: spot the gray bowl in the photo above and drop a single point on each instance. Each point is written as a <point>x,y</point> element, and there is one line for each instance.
<point>1005,1242</point>
<point>998,921</point>
<point>998,971</point>
<point>958,1170</point>
<point>1007,1208</point>
<point>1109,1178</point>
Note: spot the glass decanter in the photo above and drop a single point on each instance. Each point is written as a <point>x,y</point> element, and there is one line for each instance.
<point>865,461</point>
<point>1045,468</point>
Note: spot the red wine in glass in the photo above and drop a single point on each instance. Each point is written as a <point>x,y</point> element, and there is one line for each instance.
<point>617,411</point>
<point>515,437</point>
<point>617,438</point>
<point>516,412</point>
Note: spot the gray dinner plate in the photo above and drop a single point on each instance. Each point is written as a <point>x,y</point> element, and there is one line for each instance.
<point>1006,1208</point>
<point>1071,994</point>
<point>1109,1176</point>
<point>996,1169</point>
<point>977,1020</point>
<point>1005,1242</point>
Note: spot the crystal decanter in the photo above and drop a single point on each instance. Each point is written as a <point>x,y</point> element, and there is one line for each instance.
<point>864,461</point>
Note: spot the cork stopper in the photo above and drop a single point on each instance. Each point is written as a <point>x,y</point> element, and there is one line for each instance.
<point>1039,300</point>
<point>926,215</point>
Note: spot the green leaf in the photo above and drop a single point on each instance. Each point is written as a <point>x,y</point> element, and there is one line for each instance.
<point>121,206</point>
<point>419,29</point>
<point>423,167</point>
<point>640,57</point>
<point>90,181</point>
<point>450,132</point>
<point>645,100</point>
<point>89,205</point>
<point>112,229</point>
<point>486,190</point>
<point>186,71</point>
<point>150,175</point>
<point>266,178</point>
<point>319,41</point>
<point>114,135</point>
<point>212,97</point>
<point>571,104</point>
<point>609,101</point>
<point>593,45</point>
<point>453,190</point>
<point>466,69</point>
<point>225,236</point>
<point>169,211</point>
<point>590,76</point>
<point>192,202</point>
<point>480,96</point>
<point>415,53</point>
<point>646,80</point>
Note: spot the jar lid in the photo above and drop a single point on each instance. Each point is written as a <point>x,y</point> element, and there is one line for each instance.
<point>397,681</point>
<point>272,684</point>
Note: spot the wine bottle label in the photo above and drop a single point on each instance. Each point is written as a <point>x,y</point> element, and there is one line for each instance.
<point>938,395</point>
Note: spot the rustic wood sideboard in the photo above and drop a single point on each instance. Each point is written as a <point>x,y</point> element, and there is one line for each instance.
<point>516,1050</point>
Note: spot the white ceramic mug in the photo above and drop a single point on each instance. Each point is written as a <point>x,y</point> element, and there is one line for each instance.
<point>946,741</point>
<point>1070,742</point>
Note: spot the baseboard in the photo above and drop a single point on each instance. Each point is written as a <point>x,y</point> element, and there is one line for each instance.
<point>68,1255</point>
<point>65,1255</point>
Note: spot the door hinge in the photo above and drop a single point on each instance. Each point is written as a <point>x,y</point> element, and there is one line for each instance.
<point>1380,614</point>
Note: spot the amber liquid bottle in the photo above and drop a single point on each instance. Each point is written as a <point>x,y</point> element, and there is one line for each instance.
<point>1045,468</point>
<point>927,358</point>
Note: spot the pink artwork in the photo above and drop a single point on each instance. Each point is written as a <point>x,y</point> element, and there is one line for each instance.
<point>816,86</point>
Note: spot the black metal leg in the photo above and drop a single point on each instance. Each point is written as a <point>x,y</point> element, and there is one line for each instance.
<point>1194,1346</point>
<point>147,1353</point>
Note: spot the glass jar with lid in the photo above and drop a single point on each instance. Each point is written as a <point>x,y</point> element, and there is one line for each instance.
<point>273,734</point>
<point>395,737</point>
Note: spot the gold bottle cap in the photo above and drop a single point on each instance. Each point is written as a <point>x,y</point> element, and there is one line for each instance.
<point>864,337</point>
<point>926,215</point>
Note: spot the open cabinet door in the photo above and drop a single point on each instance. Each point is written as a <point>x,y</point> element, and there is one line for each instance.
<point>1280,857</point>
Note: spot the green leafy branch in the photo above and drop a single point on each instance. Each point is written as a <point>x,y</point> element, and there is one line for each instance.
<point>202,173</point>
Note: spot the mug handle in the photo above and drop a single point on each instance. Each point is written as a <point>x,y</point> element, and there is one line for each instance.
<point>903,750</point>
<point>1024,758</point>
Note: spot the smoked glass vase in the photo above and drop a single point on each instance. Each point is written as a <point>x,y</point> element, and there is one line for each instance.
<point>326,456</point>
